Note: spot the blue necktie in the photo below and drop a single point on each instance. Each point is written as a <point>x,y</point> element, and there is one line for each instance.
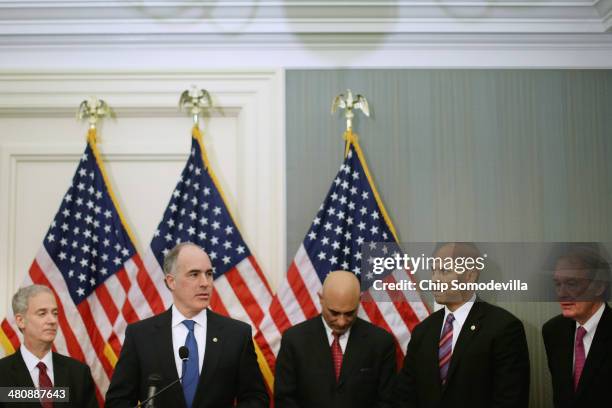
<point>191,373</point>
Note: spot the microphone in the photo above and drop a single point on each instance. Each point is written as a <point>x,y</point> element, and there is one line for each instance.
<point>183,354</point>
<point>154,380</point>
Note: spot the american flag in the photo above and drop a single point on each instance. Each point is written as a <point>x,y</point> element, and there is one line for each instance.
<point>197,212</point>
<point>352,215</point>
<point>89,260</point>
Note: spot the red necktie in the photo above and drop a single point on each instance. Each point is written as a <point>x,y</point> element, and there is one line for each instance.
<point>579,355</point>
<point>336,355</point>
<point>44,382</point>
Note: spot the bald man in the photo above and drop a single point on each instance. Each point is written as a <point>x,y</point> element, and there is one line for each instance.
<point>335,359</point>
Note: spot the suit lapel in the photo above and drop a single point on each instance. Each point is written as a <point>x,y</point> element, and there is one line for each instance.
<point>60,373</point>
<point>21,374</point>
<point>162,338</point>
<point>214,348</point>
<point>430,349</point>
<point>354,348</point>
<point>566,354</point>
<point>599,348</point>
<point>471,326</point>
<point>321,350</point>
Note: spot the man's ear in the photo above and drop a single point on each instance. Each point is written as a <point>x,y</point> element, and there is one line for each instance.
<point>170,282</point>
<point>600,288</point>
<point>320,298</point>
<point>472,275</point>
<point>19,319</point>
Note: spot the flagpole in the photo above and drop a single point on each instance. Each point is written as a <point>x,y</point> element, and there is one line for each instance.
<point>350,103</point>
<point>195,101</point>
<point>94,110</point>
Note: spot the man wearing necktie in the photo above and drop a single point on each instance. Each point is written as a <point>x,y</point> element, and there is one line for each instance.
<point>469,353</point>
<point>221,369</point>
<point>335,359</point>
<point>35,364</point>
<point>579,341</point>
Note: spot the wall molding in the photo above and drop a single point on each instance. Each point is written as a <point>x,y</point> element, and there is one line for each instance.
<point>248,17</point>
<point>100,35</point>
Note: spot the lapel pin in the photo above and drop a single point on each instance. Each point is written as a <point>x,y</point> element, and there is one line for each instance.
<point>473,328</point>
<point>215,340</point>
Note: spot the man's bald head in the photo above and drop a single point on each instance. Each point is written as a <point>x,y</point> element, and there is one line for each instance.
<point>340,300</point>
<point>342,284</point>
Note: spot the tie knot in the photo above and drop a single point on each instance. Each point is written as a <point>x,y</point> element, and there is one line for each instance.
<point>450,318</point>
<point>336,336</point>
<point>42,366</point>
<point>580,333</point>
<point>189,324</point>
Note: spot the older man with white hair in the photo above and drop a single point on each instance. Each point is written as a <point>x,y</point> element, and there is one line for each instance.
<point>35,364</point>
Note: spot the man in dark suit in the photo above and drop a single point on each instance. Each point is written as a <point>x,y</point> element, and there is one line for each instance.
<point>470,353</point>
<point>34,364</point>
<point>579,341</point>
<point>335,359</point>
<point>222,366</point>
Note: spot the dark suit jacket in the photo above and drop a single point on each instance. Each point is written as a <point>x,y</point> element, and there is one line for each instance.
<point>596,379</point>
<point>305,374</point>
<point>489,366</point>
<point>230,371</point>
<point>67,372</point>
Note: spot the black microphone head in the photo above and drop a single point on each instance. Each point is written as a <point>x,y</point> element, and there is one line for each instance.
<point>183,353</point>
<point>153,380</point>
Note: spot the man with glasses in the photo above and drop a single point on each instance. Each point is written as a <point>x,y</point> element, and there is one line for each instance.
<point>579,341</point>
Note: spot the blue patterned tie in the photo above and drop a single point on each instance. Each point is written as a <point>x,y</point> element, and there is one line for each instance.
<point>191,373</point>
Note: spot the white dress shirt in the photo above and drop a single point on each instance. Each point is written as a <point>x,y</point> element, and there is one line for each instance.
<point>342,339</point>
<point>179,335</point>
<point>460,315</point>
<point>590,326</point>
<point>31,361</point>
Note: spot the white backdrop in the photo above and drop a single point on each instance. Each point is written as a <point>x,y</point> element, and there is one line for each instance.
<point>144,150</point>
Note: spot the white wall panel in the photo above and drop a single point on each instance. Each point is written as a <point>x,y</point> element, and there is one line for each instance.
<point>144,151</point>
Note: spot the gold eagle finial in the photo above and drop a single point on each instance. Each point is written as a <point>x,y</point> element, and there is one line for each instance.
<point>194,101</point>
<point>94,109</point>
<point>350,103</point>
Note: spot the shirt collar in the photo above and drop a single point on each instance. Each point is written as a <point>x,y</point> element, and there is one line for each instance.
<point>462,311</point>
<point>330,332</point>
<point>591,324</point>
<point>178,318</point>
<point>31,360</point>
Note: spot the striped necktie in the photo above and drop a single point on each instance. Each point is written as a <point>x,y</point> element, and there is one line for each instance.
<point>445,347</point>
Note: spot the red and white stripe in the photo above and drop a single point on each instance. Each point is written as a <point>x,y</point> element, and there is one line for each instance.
<point>296,300</point>
<point>156,276</point>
